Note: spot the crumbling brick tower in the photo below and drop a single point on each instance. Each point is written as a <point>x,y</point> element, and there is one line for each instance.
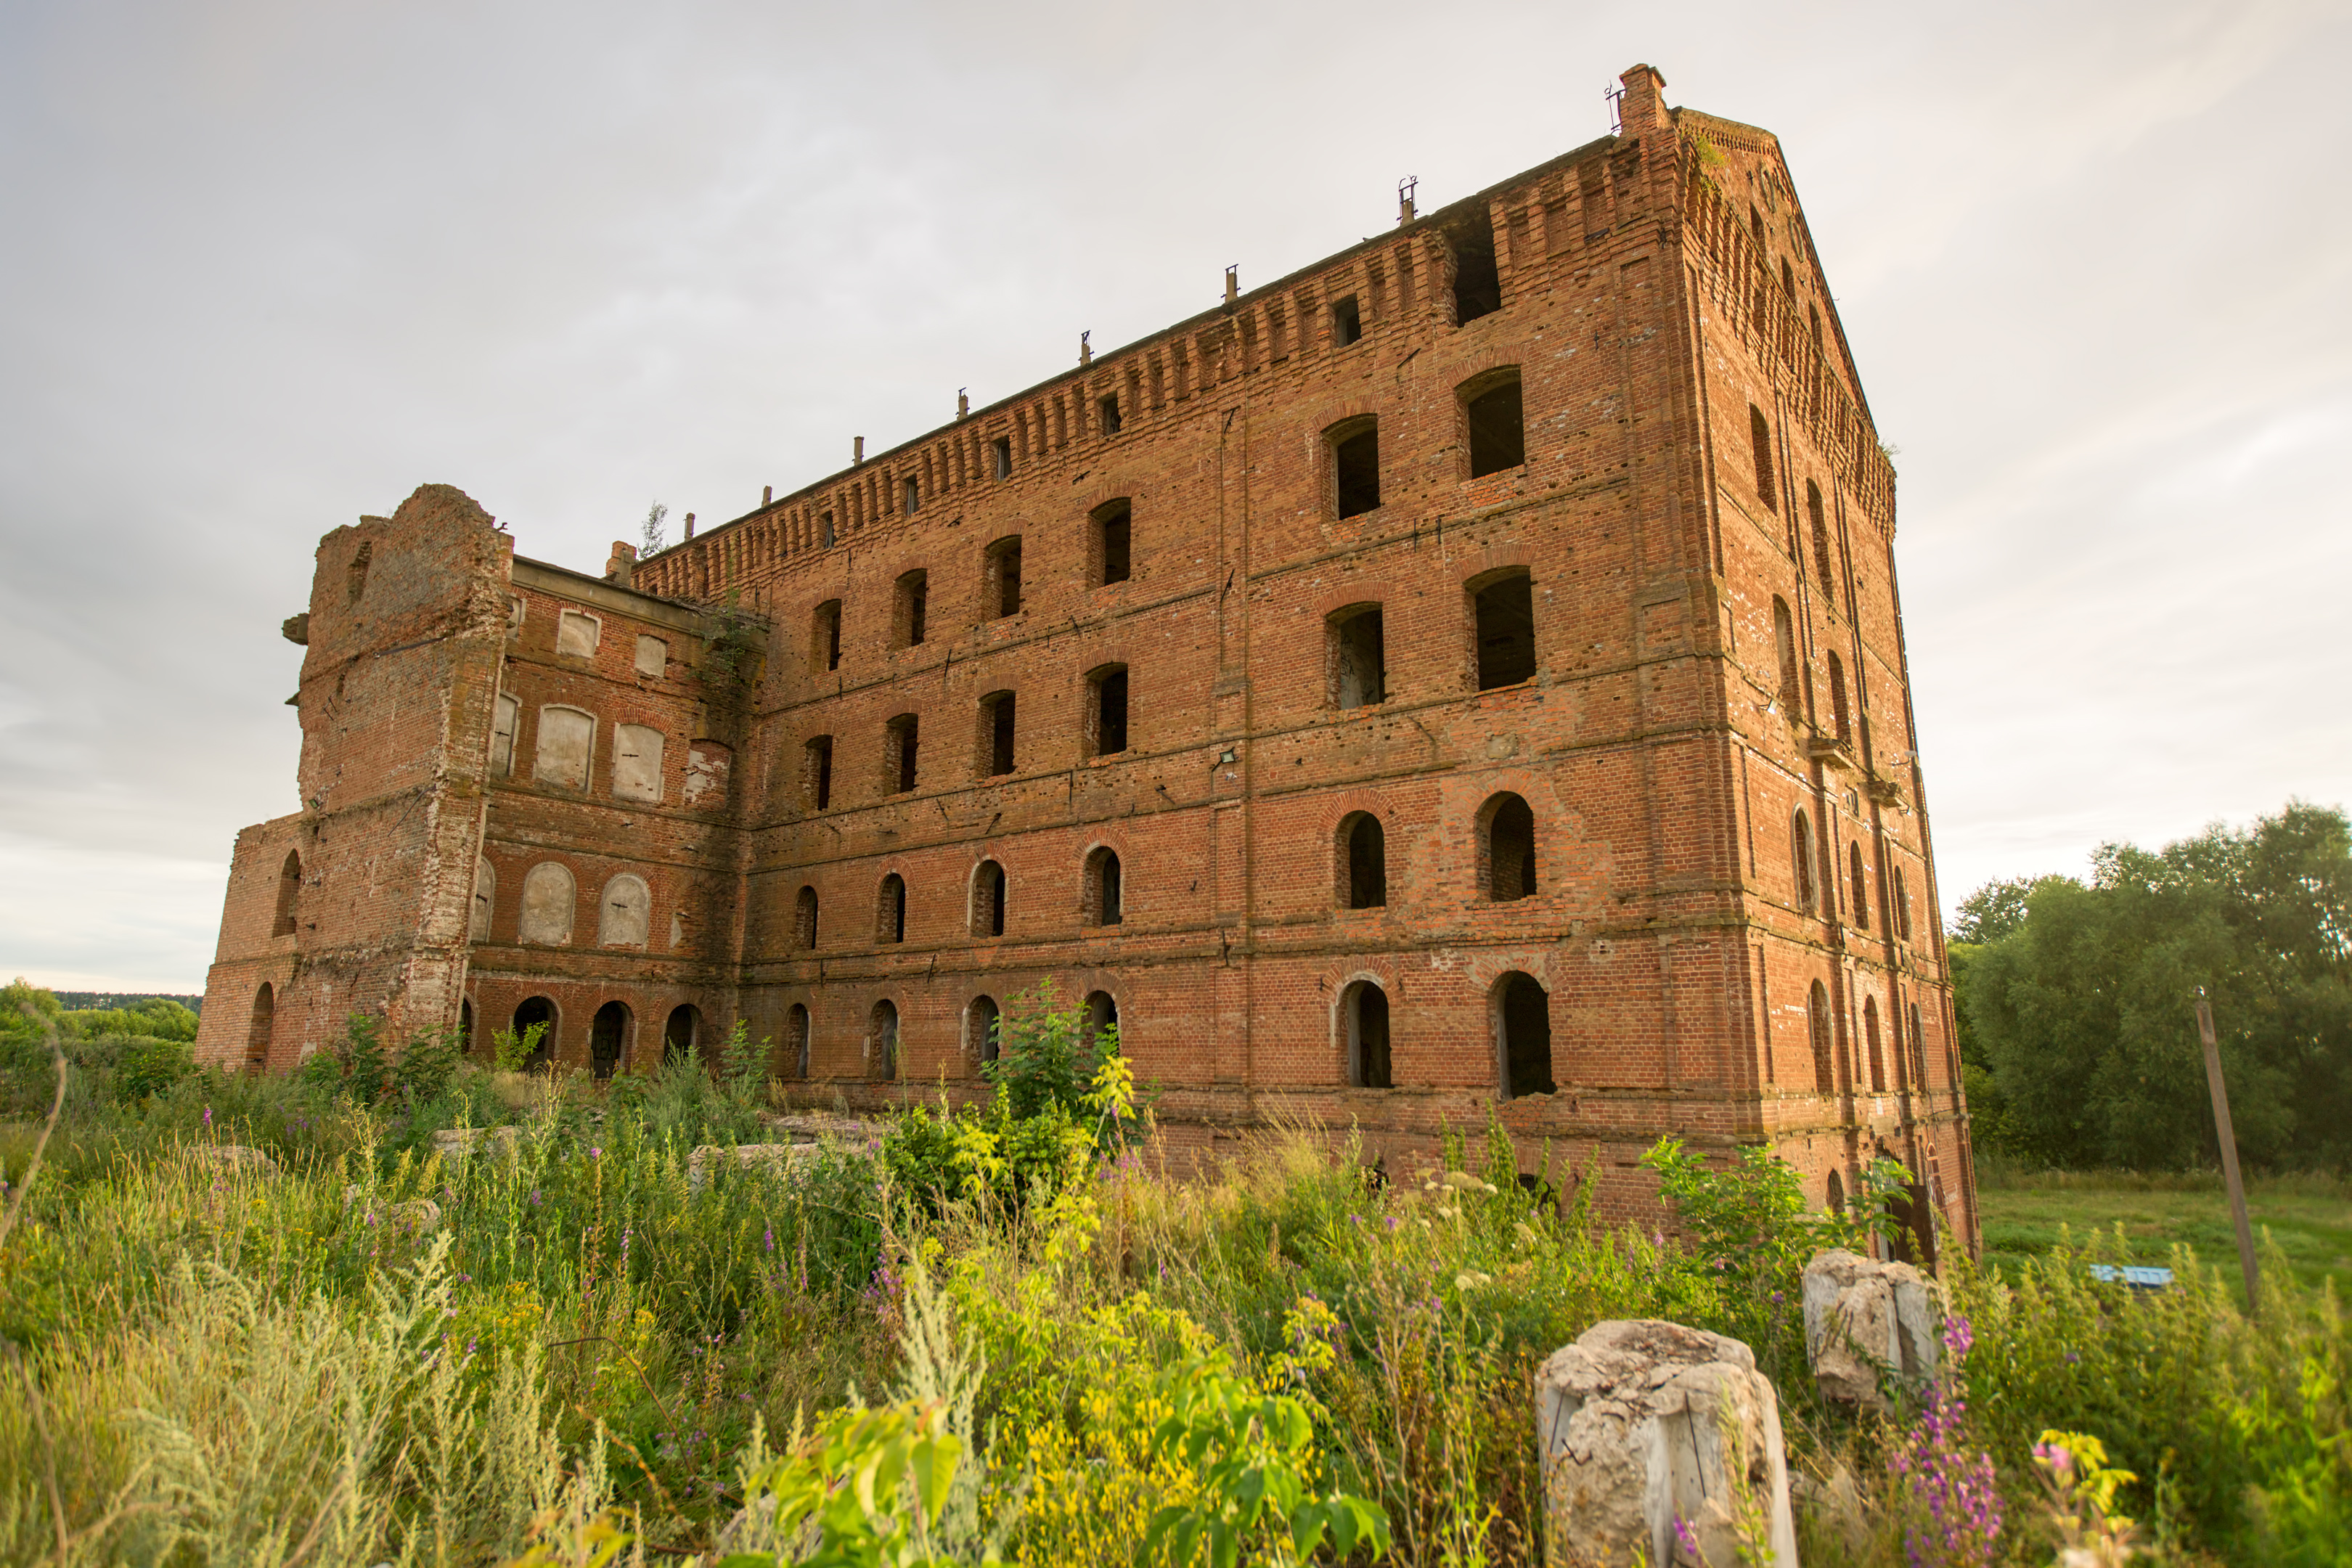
<point>1464,676</point>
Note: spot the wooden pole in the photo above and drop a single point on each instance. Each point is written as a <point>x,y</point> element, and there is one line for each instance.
<point>2230,1176</point>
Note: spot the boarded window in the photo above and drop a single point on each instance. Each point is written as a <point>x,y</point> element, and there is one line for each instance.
<point>805,920</point>
<point>1110,537</point>
<point>890,909</point>
<point>1102,898</point>
<point>625,915</point>
<point>1355,656</point>
<point>1760,437</point>
<point>549,898</point>
<point>637,763</point>
<point>290,895</point>
<point>485,899</point>
<point>1107,710</point>
<point>502,737</point>
<point>997,716</point>
<point>566,740</point>
<point>1506,848</point>
<point>1363,862</point>
<point>1001,578</point>
<point>1503,626</point>
<point>576,633</point>
<point>902,742</point>
<point>708,764</point>
<point>1496,424</point>
<point>988,900</point>
<point>653,657</point>
<point>1364,1014</point>
<point>1355,467</point>
<point>1523,1036</point>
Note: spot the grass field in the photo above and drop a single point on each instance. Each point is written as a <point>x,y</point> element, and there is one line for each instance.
<point>2307,1218</point>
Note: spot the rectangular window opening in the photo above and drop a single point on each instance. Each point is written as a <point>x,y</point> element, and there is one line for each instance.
<point>819,762</point>
<point>1505,632</point>
<point>1356,461</point>
<point>1108,408</point>
<point>1347,323</point>
<point>1110,713</point>
<point>1478,286</point>
<point>1498,434</point>
<point>904,739</point>
<point>826,637</point>
<point>910,496</point>
<point>1001,454</point>
<point>1002,587</point>
<point>1113,532</point>
<point>1358,661</point>
<point>999,734</point>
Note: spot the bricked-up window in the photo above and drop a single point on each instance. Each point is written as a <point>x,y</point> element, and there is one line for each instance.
<point>1522,1014</point>
<point>577,634</point>
<point>910,496</point>
<point>1838,715</point>
<point>608,1038</point>
<point>1355,657</point>
<point>502,736</point>
<point>816,772</point>
<point>1784,645</point>
<point>988,900</point>
<point>1110,541</point>
<point>981,1020</point>
<point>549,900</point>
<point>1478,286</point>
<point>825,637</point>
<point>1106,733</point>
<point>910,609</point>
<point>681,1035</point>
<point>796,1040</point>
<point>1102,900</point>
<point>1364,1016</point>
<point>1506,848</point>
<point>1101,1024</point>
<point>901,739</point>
<point>804,921</point>
<point>1821,561</point>
<point>1816,1029</point>
<point>1494,422</point>
<point>625,913</point>
<point>567,740</point>
<point>890,909</point>
<point>1108,408</point>
<point>534,1013</point>
<point>258,1032</point>
<point>637,763</point>
<point>1347,323</point>
<point>999,587</point>
<point>1363,862</point>
<point>653,657</point>
<point>1861,901</point>
<point>290,894</point>
<point>998,712</point>
<point>1503,627</point>
<point>1001,457</point>
<point>1759,435</point>
<point>1355,466</point>
<point>485,899</point>
<point>1801,858</point>
<point>882,1041</point>
<point>1870,1051</point>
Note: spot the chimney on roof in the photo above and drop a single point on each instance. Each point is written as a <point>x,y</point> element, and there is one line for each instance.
<point>857,451</point>
<point>766,494</point>
<point>623,562</point>
<point>690,525</point>
<point>1643,107</point>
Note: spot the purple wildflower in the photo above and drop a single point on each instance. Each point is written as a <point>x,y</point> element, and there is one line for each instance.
<point>1687,1539</point>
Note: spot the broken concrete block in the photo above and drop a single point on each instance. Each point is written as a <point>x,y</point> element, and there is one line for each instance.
<point>1862,1317</point>
<point>1642,1424</point>
<point>784,1159</point>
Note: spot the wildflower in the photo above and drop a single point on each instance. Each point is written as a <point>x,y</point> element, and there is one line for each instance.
<point>1687,1539</point>
<point>596,1152</point>
<point>208,1118</point>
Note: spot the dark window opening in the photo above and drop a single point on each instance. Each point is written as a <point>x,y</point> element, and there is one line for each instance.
<point>1357,657</point>
<point>1759,435</point>
<point>1524,1017</point>
<point>1365,1010</point>
<point>535,1011</point>
<point>1835,1194</point>
<point>797,1039</point>
<point>1814,312</point>
<point>1108,408</point>
<point>681,1034</point>
<point>1001,453</point>
<point>256,1038</point>
<point>1364,863</point>
<point>1356,469</point>
<point>1902,906</point>
<point>1817,1028</point>
<point>890,909</point>
<point>1347,323</point>
<point>1103,899</point>
<point>1478,286</point>
<point>988,900</point>
<point>1801,858</point>
<point>1838,715</point>
<point>1504,614</point>
<point>817,772</point>
<point>1784,645</point>
<point>1821,560</point>
<point>910,496</point>
<point>824,531</point>
<point>901,741</point>
<point>1113,536</point>
<point>608,1037</point>
<point>1861,888</point>
<point>1788,279</point>
<point>1106,712</point>
<point>981,1023</point>
<point>882,1042</point>
<point>914,598</point>
<point>825,637</point>
<point>997,712</point>
<point>466,1024</point>
<point>1871,1055</point>
<point>1498,437</point>
<point>1102,1020</point>
<point>804,921</point>
<point>1000,585</point>
<point>290,889</point>
<point>1508,849</point>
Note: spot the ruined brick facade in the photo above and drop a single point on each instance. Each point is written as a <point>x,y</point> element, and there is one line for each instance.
<point>1610,824</point>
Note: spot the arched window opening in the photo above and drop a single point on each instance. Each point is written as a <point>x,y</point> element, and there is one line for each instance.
<point>289,893</point>
<point>1861,891</point>
<point>1838,716</point>
<point>549,900</point>
<point>816,772</point>
<point>910,606</point>
<point>797,1039</point>
<point>1784,645</point>
<point>682,1033</point>
<point>1101,1026</point>
<point>625,915</point>
<point>902,739</point>
<point>882,1041</point>
<point>257,1034</point>
<point>1874,1054</point>
<point>1364,1014</point>
<point>485,898</point>
<point>537,1010</point>
<point>466,1024</point>
<point>1354,449</point>
<point>1363,862</point>
<point>1355,657</point>
<point>1801,858</point>
<point>1817,1027</point>
<point>825,633</point>
<point>1497,424</point>
<point>988,900</point>
<point>1110,542</point>
<point>1822,563</point>
<point>1107,710</point>
<point>1835,1189</point>
<point>1523,1036</point>
<point>1103,896</point>
<point>1760,437</point>
<point>999,589</point>
<point>1506,848</point>
<point>1503,630</point>
<point>981,1023</point>
<point>804,921</point>
<point>608,1038</point>
<point>890,909</point>
<point>996,731</point>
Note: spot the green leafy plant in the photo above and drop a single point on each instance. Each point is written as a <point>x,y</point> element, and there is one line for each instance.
<point>871,1483</point>
<point>510,1050</point>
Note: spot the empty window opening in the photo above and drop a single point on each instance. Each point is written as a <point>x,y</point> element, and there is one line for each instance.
<point>882,1041</point>
<point>1357,653</point>
<point>1506,848</point>
<point>1103,898</point>
<point>502,736</point>
<point>485,898</point>
<point>1364,1014</point>
<point>890,909</point>
<point>804,921</point>
<point>1347,323</point>
<point>257,1033</point>
<point>1363,862</point>
<point>1497,427</point>
<point>1814,312</point>
<point>1872,1054</point>
<point>1788,280</point>
<point>1107,710</point>
<point>1860,903</point>
<point>1784,645</point>
<point>1108,408</point>
<point>981,1021</point>
<point>1504,616</point>
<point>682,1034</point>
<point>625,913</point>
<point>901,741</point>
<point>1759,435</point>
<point>1101,1028</point>
<point>1821,561</point>
<point>1838,715</point>
<point>911,610</point>
<point>608,1038</point>
<point>797,1039</point>
<point>1816,1029</point>
<point>549,896</point>
<point>1801,858</point>
<point>1001,577</point>
<point>816,772</point>
<point>1478,286</point>
<point>1523,1031</point>
<point>1833,1193</point>
<point>824,531</point>
<point>466,1024</point>
<point>1902,906</point>
<point>1001,455</point>
<point>1919,1053</point>
<point>998,715</point>
<point>290,893</point>
<point>825,637</point>
<point>910,496</point>
<point>1356,468</point>
<point>1113,535</point>
<point>539,1012</point>
<point>988,900</point>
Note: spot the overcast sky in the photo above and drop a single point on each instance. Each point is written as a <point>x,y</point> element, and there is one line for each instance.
<point>267,267</point>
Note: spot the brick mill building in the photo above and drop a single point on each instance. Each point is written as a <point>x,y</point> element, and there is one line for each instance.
<point>1463,676</point>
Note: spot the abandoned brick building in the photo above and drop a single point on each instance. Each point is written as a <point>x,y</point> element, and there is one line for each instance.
<point>1462,677</point>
